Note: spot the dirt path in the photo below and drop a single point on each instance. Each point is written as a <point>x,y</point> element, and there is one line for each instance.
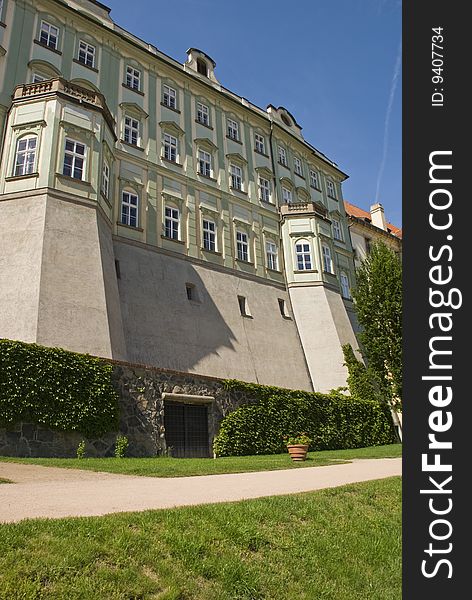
<point>55,493</point>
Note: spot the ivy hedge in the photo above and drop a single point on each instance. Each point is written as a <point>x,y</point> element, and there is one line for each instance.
<point>56,388</point>
<point>333,421</point>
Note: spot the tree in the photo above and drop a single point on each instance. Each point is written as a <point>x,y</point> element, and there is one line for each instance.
<point>378,299</point>
<point>361,380</point>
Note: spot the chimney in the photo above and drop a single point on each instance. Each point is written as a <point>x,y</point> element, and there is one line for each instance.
<point>377,215</point>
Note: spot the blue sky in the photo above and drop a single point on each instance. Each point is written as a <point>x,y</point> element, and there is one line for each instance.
<point>334,64</point>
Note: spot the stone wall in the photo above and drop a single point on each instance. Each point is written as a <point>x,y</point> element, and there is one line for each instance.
<point>140,389</point>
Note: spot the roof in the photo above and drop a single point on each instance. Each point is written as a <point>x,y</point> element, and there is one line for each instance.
<point>354,211</point>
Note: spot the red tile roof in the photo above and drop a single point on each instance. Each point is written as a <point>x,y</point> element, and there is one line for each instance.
<point>354,211</point>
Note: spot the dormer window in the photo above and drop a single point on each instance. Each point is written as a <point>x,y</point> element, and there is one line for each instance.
<point>202,67</point>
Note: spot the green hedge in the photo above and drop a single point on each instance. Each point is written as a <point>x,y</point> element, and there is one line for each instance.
<point>56,388</point>
<point>333,421</point>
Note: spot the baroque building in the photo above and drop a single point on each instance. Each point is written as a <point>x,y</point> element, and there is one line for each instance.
<point>151,215</point>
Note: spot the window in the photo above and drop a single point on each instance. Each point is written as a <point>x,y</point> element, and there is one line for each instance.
<point>236,178</point>
<point>242,246</point>
<point>169,97</point>
<point>49,35</point>
<point>129,209</point>
<point>131,131</point>
<point>170,147</point>
<point>282,156</point>
<point>171,223</point>
<point>203,114</point>
<point>233,129</point>
<point>202,67</point>
<point>209,235</point>
<point>271,254</point>
<point>204,163</point>
<point>74,159</point>
<point>191,292</point>
<point>133,78</point>
<point>314,179</point>
<point>86,54</point>
<point>287,195</point>
<point>330,188</point>
<point>327,260</point>
<point>337,231</point>
<point>37,78</point>
<point>243,307</point>
<point>297,164</point>
<point>25,156</point>
<point>303,254</point>
<point>345,286</point>
<point>282,308</point>
<point>264,189</point>
<point>106,179</point>
<point>259,143</point>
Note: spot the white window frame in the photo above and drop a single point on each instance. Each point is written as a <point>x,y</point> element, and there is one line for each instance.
<point>169,96</point>
<point>345,285</point>
<point>204,163</point>
<point>78,159</point>
<point>282,155</point>
<point>86,54</point>
<point>28,154</point>
<point>170,147</point>
<point>133,78</point>
<point>242,246</point>
<point>297,166</point>
<point>129,214</point>
<point>331,189</point>
<point>337,230</point>
<point>264,189</point>
<point>327,259</point>
<point>232,129</point>
<point>131,126</point>
<point>259,143</point>
<point>303,256</point>
<point>48,29</point>
<point>38,78</point>
<point>314,179</point>
<point>209,235</point>
<point>105,187</point>
<point>272,255</point>
<point>171,222</point>
<point>287,196</point>
<point>203,114</point>
<point>236,173</point>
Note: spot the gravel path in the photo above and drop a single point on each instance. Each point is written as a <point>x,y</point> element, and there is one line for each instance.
<point>54,493</point>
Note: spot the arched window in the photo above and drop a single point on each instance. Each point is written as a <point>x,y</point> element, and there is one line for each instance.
<point>345,285</point>
<point>25,157</point>
<point>303,255</point>
<point>129,208</point>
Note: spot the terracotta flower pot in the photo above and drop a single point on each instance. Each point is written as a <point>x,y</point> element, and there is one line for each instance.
<point>298,451</point>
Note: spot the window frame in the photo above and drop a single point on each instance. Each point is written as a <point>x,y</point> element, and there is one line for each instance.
<point>130,128</point>
<point>287,191</point>
<point>264,189</point>
<point>345,285</point>
<point>242,246</point>
<point>133,76</point>
<point>282,156</point>
<point>232,129</point>
<point>106,176</point>
<point>272,255</point>
<point>327,259</point>
<point>26,153</point>
<point>259,144</point>
<point>132,207</point>
<point>236,178</point>
<point>203,112</point>
<point>76,156</point>
<point>47,43</point>
<point>337,231</point>
<point>209,238</point>
<point>172,222</point>
<point>331,189</point>
<point>314,177</point>
<point>303,256</point>
<point>170,146</point>
<point>169,96</point>
<point>297,166</point>
<point>87,53</point>
<point>202,161</point>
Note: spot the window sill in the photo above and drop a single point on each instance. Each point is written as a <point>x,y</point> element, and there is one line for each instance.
<point>18,177</point>
<point>248,316</point>
<point>274,271</point>
<point>77,62</point>
<point>215,252</point>
<point>176,110</point>
<point>282,164</point>
<point>244,262</point>
<point>261,153</point>
<point>329,273</point>
<point>234,140</point>
<point>206,176</point>
<point>299,175</point>
<point>238,190</point>
<point>74,179</point>
<point>128,87</point>
<point>48,47</point>
<point>140,229</point>
<point>286,317</point>
<point>332,198</point>
<point>102,195</point>
<point>203,124</point>
<point>132,145</point>
<point>268,202</point>
<point>171,162</point>
<point>306,271</point>
<point>2,24</point>
<point>164,237</point>
<point>313,187</point>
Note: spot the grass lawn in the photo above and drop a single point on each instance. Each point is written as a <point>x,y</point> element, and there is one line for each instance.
<point>336,544</point>
<point>184,467</point>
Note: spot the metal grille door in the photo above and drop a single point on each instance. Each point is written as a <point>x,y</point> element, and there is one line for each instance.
<point>186,427</point>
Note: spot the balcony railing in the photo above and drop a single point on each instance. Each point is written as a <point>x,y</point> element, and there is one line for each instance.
<point>303,208</point>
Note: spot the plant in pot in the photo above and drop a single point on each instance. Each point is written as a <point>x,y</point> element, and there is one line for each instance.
<point>297,445</point>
